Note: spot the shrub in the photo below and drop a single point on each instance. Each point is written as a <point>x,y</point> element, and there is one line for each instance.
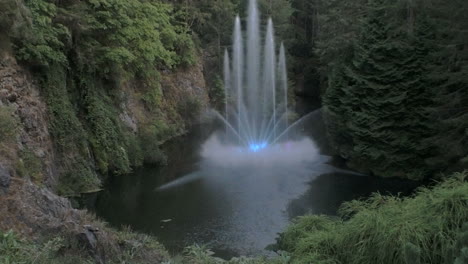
<point>42,41</point>
<point>16,250</point>
<point>386,229</point>
<point>151,137</point>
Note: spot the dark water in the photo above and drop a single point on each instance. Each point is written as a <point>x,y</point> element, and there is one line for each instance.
<point>234,210</point>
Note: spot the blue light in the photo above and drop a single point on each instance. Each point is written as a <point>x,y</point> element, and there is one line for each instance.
<point>256,147</point>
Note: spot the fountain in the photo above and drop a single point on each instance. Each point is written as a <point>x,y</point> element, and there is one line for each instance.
<point>235,189</point>
<point>256,110</point>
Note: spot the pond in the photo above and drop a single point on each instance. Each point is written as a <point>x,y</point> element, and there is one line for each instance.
<point>237,209</point>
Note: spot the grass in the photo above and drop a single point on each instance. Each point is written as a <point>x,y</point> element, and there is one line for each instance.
<point>133,248</point>
<point>14,250</point>
<point>425,228</point>
<point>139,248</point>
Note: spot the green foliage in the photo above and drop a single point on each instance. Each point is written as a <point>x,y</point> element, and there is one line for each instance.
<point>450,72</point>
<point>133,248</point>
<point>208,19</point>
<point>138,248</point>
<point>408,54</point>
<point>426,228</point>
<point>460,248</point>
<point>69,136</point>
<point>280,12</point>
<point>380,100</point>
<point>338,25</point>
<point>131,36</point>
<point>151,137</point>
<point>14,250</point>
<point>65,125</point>
<point>197,254</point>
<point>152,95</point>
<point>8,125</point>
<point>84,49</point>
<point>43,43</point>
<point>105,131</point>
<point>217,94</point>
<point>111,36</point>
<point>300,43</point>
<point>134,150</point>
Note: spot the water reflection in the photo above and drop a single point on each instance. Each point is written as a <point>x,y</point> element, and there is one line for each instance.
<point>327,192</point>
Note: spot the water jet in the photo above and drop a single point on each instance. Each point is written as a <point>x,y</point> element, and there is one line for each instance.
<point>255,81</point>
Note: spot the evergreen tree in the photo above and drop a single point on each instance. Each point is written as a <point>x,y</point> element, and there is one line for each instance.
<point>381,98</point>
<point>450,74</point>
<point>305,63</point>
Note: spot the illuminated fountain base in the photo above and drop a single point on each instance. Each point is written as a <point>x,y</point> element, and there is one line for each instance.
<point>283,153</point>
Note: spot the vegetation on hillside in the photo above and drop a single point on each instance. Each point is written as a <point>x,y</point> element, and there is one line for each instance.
<point>84,52</point>
<point>60,249</point>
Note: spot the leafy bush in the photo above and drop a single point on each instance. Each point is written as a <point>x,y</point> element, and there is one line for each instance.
<point>42,42</point>
<point>138,248</point>
<point>113,35</point>
<point>152,95</point>
<point>151,138</point>
<point>197,254</point>
<point>131,36</point>
<point>16,250</point>
<point>386,229</point>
